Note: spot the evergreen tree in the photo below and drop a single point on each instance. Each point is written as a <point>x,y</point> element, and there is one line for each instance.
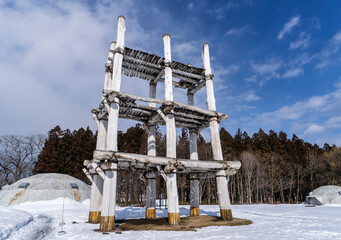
<point>204,149</point>
<point>134,140</point>
<point>274,141</point>
<point>65,151</point>
<point>50,158</point>
<point>182,148</point>
<point>238,143</point>
<point>264,142</point>
<point>247,142</point>
<point>226,143</point>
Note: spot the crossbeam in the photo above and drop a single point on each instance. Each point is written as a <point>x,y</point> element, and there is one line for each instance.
<point>210,113</point>
<point>100,155</point>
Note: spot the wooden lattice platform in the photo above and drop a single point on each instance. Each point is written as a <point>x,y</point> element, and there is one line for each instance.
<point>186,116</point>
<point>151,67</point>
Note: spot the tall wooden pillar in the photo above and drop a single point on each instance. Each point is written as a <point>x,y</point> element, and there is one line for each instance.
<point>95,199</point>
<point>150,195</point>
<point>172,189</point>
<point>109,187</point>
<point>150,176</point>
<point>194,180</point>
<point>97,184</point>
<point>222,188</point>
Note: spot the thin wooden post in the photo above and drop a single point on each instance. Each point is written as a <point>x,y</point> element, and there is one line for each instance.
<point>194,179</point>
<point>172,189</point>
<point>150,176</point>
<point>150,195</point>
<point>97,183</point>
<point>109,187</point>
<point>222,187</point>
<point>108,75</point>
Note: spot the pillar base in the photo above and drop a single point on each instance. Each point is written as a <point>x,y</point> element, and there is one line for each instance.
<point>150,213</point>
<point>226,214</point>
<point>173,218</point>
<point>194,211</point>
<point>94,216</point>
<point>107,223</point>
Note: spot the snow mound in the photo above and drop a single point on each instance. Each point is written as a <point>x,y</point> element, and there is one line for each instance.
<point>11,220</point>
<point>325,195</point>
<point>44,187</point>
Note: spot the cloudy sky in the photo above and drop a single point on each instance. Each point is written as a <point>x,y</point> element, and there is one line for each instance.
<point>277,65</point>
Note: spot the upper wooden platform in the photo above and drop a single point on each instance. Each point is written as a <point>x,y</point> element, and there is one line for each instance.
<point>150,67</point>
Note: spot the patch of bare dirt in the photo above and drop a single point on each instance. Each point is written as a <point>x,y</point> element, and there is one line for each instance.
<point>77,196</point>
<point>16,196</point>
<point>186,223</point>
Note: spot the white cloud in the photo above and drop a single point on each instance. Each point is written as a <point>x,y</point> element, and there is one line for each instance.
<point>300,60</point>
<point>325,56</point>
<point>184,49</point>
<point>251,96</point>
<point>219,13</point>
<point>338,84</point>
<point>253,78</point>
<point>270,67</point>
<point>331,124</point>
<point>190,6</point>
<point>309,118</point>
<point>336,38</point>
<point>293,73</point>
<point>228,6</point>
<point>315,23</point>
<point>221,73</point>
<point>236,31</point>
<point>303,42</point>
<point>288,26</point>
<point>188,52</point>
<point>52,57</point>
<point>314,128</point>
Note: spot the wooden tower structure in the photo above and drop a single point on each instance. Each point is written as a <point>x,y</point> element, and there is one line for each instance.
<point>151,112</point>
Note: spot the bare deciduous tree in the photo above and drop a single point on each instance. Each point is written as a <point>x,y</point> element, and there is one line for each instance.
<point>18,155</point>
<point>249,163</point>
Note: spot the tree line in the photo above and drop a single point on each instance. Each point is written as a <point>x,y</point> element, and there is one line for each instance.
<point>275,168</point>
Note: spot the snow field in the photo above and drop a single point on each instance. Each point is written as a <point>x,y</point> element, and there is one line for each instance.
<point>11,220</point>
<point>282,221</point>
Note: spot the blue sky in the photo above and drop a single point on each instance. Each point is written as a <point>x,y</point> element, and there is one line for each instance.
<point>276,63</point>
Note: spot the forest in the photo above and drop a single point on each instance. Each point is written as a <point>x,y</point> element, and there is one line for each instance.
<point>275,168</point>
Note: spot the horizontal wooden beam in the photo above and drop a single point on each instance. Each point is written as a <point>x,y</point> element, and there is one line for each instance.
<point>135,73</point>
<point>139,67</point>
<point>141,62</point>
<point>165,161</point>
<point>187,74</point>
<point>167,103</point>
<point>184,78</point>
<point>197,88</point>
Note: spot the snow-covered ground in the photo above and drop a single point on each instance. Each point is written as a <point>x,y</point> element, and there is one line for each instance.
<point>11,220</point>
<point>269,222</point>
